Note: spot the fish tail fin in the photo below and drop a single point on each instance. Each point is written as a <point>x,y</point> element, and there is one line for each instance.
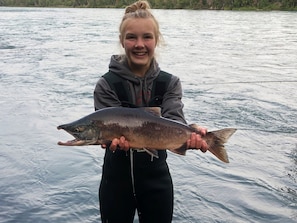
<point>216,140</point>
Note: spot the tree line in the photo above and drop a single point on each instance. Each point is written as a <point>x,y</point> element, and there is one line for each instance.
<point>162,4</point>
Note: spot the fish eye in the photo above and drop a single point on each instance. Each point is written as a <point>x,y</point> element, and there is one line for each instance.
<point>79,129</point>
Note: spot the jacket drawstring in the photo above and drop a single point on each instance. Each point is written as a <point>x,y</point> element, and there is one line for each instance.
<point>133,181</point>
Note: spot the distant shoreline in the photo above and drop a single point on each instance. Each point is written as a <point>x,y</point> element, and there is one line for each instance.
<point>236,5</point>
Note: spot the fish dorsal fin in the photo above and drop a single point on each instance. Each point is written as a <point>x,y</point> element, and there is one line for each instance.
<point>156,111</point>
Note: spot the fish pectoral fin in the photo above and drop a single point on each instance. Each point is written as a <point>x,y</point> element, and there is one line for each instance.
<point>152,152</point>
<point>181,150</point>
<point>103,142</point>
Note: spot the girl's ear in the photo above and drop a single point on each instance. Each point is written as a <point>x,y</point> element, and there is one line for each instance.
<point>121,41</point>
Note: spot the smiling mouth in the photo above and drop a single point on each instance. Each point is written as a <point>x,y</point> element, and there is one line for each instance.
<point>140,53</point>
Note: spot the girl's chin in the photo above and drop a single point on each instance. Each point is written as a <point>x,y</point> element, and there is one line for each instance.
<point>140,61</point>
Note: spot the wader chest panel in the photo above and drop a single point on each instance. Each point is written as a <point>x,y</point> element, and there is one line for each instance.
<point>121,87</point>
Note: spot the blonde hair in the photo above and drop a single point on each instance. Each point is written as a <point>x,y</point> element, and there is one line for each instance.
<point>140,9</point>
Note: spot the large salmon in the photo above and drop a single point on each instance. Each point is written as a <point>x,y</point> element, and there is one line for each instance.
<point>142,128</point>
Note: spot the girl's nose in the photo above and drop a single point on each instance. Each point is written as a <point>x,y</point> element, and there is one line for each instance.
<point>139,43</point>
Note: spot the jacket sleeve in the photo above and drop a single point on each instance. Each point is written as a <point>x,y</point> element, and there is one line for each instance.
<point>104,96</point>
<point>172,106</point>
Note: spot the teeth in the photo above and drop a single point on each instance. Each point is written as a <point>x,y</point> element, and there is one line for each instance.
<point>140,54</point>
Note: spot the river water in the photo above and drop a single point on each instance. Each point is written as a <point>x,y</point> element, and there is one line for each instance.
<point>238,69</point>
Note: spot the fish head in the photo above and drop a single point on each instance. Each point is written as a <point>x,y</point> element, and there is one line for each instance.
<point>84,133</point>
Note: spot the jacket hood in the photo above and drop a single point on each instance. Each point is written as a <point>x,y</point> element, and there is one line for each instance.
<point>140,86</point>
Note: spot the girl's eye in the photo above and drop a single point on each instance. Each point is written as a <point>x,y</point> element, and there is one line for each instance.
<point>130,37</point>
<point>148,36</point>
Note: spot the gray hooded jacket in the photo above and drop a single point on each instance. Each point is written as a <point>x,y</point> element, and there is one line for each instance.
<point>141,87</point>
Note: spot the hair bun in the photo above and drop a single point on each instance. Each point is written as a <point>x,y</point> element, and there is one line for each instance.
<point>139,5</point>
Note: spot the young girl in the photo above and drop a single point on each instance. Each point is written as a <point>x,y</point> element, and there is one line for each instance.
<point>131,179</point>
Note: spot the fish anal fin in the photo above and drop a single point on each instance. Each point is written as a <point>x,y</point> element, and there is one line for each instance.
<point>181,150</point>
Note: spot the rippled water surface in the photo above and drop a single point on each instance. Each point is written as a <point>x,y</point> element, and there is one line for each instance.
<point>238,69</point>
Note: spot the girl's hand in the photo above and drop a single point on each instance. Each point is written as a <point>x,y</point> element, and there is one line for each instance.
<point>120,143</point>
<point>196,141</point>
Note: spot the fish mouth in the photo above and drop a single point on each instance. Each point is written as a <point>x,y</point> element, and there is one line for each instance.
<point>80,142</point>
<point>77,141</point>
<point>74,142</point>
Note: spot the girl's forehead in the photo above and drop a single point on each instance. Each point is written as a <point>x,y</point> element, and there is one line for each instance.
<point>139,24</point>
